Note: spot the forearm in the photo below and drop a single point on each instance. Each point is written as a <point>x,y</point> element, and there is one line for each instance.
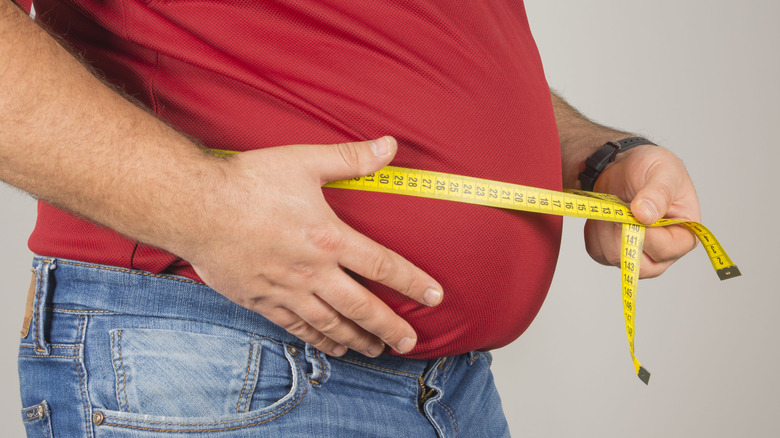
<point>580,138</point>
<point>71,140</point>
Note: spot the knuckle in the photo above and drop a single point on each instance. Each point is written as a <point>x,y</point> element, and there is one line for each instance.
<point>297,327</point>
<point>666,253</point>
<point>694,242</point>
<point>328,324</point>
<point>304,271</point>
<point>325,238</point>
<point>359,310</point>
<point>308,334</point>
<point>390,334</point>
<point>612,255</point>
<point>319,340</point>
<point>355,341</point>
<point>654,270</point>
<point>350,153</point>
<point>666,192</point>
<point>380,267</point>
<point>413,287</point>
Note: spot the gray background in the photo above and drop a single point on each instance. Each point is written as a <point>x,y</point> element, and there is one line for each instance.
<point>699,77</point>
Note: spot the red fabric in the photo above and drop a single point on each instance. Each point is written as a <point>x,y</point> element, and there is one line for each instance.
<point>25,4</point>
<point>459,84</point>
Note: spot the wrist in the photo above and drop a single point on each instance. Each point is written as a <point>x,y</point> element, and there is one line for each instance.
<point>596,163</point>
<point>579,138</point>
<point>575,151</point>
<point>181,216</point>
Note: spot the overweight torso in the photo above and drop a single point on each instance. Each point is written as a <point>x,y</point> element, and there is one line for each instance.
<point>459,85</point>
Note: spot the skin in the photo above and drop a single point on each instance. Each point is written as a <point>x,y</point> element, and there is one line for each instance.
<point>651,178</point>
<point>255,226</point>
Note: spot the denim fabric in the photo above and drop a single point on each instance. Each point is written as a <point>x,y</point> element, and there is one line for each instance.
<point>118,353</point>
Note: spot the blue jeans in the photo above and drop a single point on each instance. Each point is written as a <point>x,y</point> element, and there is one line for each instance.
<point>113,352</point>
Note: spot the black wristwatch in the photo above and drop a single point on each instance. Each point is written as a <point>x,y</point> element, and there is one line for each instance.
<point>596,163</point>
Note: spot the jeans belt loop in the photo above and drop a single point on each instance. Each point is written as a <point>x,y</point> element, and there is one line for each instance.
<point>44,284</point>
<point>320,366</point>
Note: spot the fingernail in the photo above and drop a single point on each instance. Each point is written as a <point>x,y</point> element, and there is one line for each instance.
<point>376,349</point>
<point>650,211</point>
<point>405,345</point>
<point>432,297</point>
<point>339,350</point>
<point>381,146</point>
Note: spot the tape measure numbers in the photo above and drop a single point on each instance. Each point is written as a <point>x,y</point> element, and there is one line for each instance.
<point>573,203</point>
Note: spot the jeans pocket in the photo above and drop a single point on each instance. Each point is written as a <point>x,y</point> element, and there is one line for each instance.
<point>174,381</point>
<point>37,421</point>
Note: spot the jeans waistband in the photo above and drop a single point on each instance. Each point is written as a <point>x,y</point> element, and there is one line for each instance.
<point>79,285</point>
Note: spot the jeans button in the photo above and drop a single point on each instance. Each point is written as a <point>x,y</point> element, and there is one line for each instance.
<point>292,350</point>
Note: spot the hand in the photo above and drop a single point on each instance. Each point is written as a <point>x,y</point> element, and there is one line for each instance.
<point>273,245</point>
<point>656,183</point>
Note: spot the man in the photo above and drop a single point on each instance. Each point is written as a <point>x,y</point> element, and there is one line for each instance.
<point>124,338</point>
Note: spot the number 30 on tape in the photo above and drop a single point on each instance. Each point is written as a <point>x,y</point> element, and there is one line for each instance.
<point>574,203</point>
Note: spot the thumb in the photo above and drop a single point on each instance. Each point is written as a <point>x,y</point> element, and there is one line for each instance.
<point>350,160</point>
<point>653,201</point>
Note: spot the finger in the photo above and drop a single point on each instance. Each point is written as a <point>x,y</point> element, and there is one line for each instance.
<point>368,313</point>
<point>649,268</point>
<point>602,241</point>
<point>668,244</point>
<point>352,316</point>
<point>301,329</point>
<point>655,198</point>
<point>348,160</point>
<point>370,260</point>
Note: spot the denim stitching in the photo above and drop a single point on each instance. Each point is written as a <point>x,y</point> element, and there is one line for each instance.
<point>224,429</point>
<point>357,362</point>
<point>124,373</point>
<point>449,414</point>
<point>54,356</point>
<point>41,422</point>
<point>56,309</point>
<point>75,354</point>
<point>323,364</point>
<point>316,356</point>
<point>38,316</point>
<point>128,271</point>
<point>299,395</point>
<point>62,347</point>
<point>323,368</point>
<point>246,376</point>
<point>83,377</point>
<point>255,373</point>
<point>143,273</point>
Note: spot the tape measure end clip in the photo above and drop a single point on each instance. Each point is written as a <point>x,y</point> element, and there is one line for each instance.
<point>730,272</point>
<point>644,375</point>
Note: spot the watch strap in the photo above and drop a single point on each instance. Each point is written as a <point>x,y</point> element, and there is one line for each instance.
<point>596,163</point>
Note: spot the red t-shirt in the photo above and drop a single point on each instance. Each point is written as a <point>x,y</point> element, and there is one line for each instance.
<point>459,84</point>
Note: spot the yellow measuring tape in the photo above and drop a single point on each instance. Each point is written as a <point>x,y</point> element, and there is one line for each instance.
<point>574,203</point>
